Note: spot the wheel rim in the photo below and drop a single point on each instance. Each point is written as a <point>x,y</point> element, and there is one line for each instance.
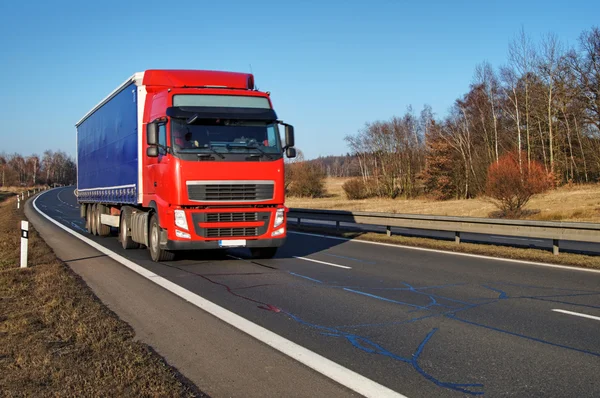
<point>154,239</point>
<point>94,231</point>
<point>123,231</point>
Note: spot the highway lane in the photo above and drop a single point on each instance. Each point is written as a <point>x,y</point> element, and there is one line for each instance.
<point>422,323</point>
<point>545,244</point>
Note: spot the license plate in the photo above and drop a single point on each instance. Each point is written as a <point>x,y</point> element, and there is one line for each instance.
<point>232,243</point>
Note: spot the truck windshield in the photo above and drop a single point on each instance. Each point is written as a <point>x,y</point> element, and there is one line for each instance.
<point>226,137</point>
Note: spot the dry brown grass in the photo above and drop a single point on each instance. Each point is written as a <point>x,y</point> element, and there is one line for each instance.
<point>58,339</point>
<point>575,203</point>
<point>514,253</point>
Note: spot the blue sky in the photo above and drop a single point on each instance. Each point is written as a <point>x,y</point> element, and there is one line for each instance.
<point>331,66</point>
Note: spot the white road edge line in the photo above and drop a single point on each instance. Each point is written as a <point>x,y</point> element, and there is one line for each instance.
<point>508,260</point>
<point>323,262</point>
<point>597,318</point>
<point>326,367</point>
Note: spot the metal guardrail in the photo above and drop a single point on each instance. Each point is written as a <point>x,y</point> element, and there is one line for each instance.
<point>557,231</point>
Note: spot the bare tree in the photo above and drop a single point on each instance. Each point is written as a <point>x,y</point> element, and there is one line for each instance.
<point>548,66</point>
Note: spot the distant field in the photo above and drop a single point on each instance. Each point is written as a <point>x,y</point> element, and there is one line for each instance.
<point>576,203</point>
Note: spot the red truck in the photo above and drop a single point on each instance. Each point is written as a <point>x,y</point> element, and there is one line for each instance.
<point>185,160</point>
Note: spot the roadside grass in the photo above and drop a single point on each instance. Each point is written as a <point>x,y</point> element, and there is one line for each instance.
<point>58,339</point>
<point>567,203</point>
<point>514,253</point>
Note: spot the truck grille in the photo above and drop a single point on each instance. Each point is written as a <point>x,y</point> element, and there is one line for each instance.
<point>230,232</point>
<point>231,217</point>
<point>230,192</point>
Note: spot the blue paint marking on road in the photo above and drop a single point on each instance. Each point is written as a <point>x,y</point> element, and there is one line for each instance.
<point>419,288</point>
<point>545,287</point>
<point>349,258</point>
<point>561,295</point>
<point>389,323</point>
<point>503,294</point>
<point>74,225</point>
<point>564,302</point>
<point>367,345</point>
<point>385,299</point>
<point>523,336</point>
<point>305,277</point>
<point>453,386</point>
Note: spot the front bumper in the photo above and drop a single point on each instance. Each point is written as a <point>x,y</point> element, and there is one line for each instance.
<point>214,244</point>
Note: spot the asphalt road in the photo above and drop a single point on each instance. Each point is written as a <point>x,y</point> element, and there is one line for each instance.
<point>544,244</point>
<point>424,324</point>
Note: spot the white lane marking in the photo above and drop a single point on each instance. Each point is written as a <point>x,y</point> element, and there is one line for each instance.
<point>507,260</point>
<point>63,202</point>
<point>323,262</point>
<point>326,367</point>
<point>597,318</point>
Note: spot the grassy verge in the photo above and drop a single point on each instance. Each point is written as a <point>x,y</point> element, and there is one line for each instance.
<point>514,253</point>
<point>567,203</point>
<point>58,339</point>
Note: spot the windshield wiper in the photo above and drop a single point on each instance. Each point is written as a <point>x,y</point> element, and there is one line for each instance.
<point>210,148</point>
<point>255,146</point>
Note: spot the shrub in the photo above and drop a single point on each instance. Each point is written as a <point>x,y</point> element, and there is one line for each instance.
<point>306,180</point>
<point>511,188</point>
<point>355,189</point>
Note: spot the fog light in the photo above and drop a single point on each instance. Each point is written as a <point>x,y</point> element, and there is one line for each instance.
<point>280,231</point>
<point>181,234</point>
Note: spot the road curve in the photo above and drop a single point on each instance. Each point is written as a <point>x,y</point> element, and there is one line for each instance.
<point>419,323</point>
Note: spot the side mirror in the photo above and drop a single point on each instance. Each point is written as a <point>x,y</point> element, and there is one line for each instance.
<point>289,135</point>
<point>152,133</point>
<point>290,152</point>
<point>152,152</point>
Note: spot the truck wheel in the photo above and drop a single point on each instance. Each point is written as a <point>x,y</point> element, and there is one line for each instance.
<point>93,220</point>
<point>125,239</point>
<point>156,252</point>
<point>88,219</point>
<point>263,252</point>
<point>101,229</point>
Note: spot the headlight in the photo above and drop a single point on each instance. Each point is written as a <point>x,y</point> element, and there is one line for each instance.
<point>180,219</point>
<point>279,214</point>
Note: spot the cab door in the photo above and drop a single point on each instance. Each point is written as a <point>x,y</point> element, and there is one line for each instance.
<point>159,166</point>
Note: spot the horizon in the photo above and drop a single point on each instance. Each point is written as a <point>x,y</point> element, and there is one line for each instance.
<point>327,81</point>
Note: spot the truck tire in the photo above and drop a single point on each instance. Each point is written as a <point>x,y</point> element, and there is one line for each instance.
<point>93,220</point>
<point>88,218</point>
<point>124,237</point>
<point>263,252</point>
<point>156,253</point>
<point>101,229</point>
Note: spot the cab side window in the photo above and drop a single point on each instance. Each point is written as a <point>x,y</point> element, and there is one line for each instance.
<point>162,139</point>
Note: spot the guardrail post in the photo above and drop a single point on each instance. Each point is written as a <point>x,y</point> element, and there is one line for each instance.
<point>337,226</point>
<point>24,241</point>
<point>457,237</point>
<point>388,230</point>
<point>298,221</point>
<point>555,247</point>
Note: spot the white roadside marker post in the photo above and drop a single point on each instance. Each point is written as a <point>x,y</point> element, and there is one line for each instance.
<point>18,202</point>
<point>24,242</point>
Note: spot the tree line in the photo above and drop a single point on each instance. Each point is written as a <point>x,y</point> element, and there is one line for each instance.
<point>543,106</point>
<point>51,168</point>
